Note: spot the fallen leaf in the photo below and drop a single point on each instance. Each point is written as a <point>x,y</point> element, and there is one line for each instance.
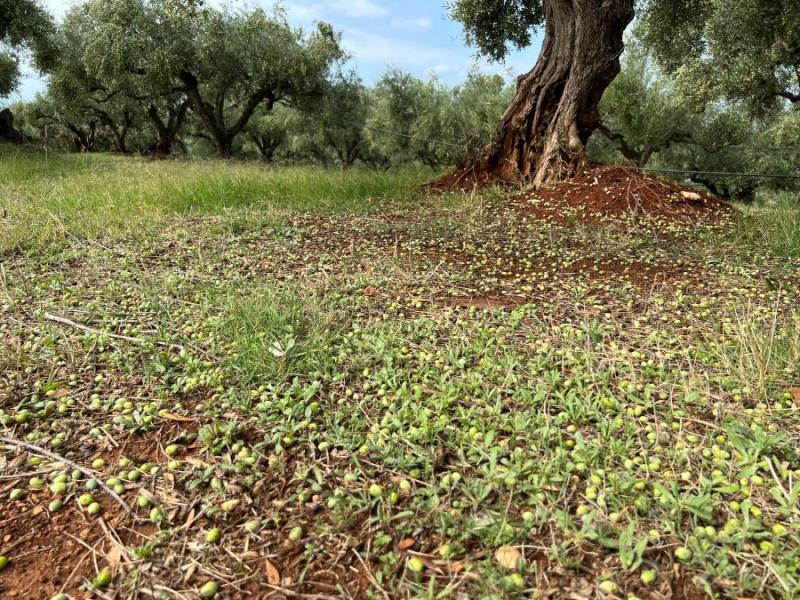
<point>173,417</point>
<point>370,291</point>
<point>795,392</point>
<point>457,566</point>
<point>113,558</point>
<point>508,557</point>
<point>273,575</point>
<point>406,544</point>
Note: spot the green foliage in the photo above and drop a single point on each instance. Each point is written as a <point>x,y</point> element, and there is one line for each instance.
<point>333,128</point>
<point>648,121</point>
<point>773,225</point>
<point>268,130</point>
<point>24,24</point>
<point>497,26</point>
<point>729,140</point>
<point>100,194</point>
<point>464,117</point>
<point>745,50</point>
<point>277,337</point>
<point>225,63</point>
<point>642,112</point>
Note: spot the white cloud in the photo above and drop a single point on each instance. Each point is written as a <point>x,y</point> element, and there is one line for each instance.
<point>420,24</point>
<point>309,11</point>
<point>444,69</point>
<point>374,47</point>
<point>358,8</point>
<point>300,12</point>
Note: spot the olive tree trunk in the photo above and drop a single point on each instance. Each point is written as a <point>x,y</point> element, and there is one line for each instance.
<point>168,129</point>
<point>543,134</point>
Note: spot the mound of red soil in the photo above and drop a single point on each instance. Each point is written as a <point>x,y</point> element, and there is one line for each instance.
<point>467,180</point>
<point>614,191</point>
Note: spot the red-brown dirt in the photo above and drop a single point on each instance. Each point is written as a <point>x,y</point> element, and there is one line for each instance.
<point>613,191</point>
<point>606,191</point>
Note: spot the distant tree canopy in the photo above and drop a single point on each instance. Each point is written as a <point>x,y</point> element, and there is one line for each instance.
<point>171,56</point>
<point>647,120</point>
<point>24,25</point>
<point>737,49</point>
<point>745,50</point>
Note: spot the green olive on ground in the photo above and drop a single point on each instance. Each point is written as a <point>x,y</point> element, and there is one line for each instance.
<point>209,590</point>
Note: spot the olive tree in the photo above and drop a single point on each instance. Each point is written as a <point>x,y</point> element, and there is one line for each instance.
<point>24,25</point>
<point>79,88</point>
<point>746,50</point>
<point>438,125</point>
<point>543,134</point>
<point>642,112</point>
<point>345,109</point>
<point>224,64</point>
<point>53,122</point>
<point>269,130</point>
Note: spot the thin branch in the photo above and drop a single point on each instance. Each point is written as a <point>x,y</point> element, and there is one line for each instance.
<point>58,458</point>
<point>140,341</point>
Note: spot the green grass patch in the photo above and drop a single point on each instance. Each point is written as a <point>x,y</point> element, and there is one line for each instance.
<point>276,336</point>
<point>773,228</point>
<point>47,200</point>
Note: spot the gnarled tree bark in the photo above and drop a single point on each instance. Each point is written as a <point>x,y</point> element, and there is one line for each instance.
<point>639,156</point>
<point>168,129</point>
<point>543,134</point>
<point>213,115</point>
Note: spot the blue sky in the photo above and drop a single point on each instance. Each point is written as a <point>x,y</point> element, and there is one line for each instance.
<point>414,35</point>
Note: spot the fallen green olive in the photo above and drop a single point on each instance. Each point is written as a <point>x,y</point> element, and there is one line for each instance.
<point>213,535</point>
<point>608,587</point>
<point>683,554</point>
<point>103,579</point>
<point>252,526</point>
<point>172,449</point>
<point>415,565</point>
<point>209,590</point>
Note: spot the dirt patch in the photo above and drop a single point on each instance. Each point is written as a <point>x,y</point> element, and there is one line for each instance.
<point>613,191</point>
<point>482,302</point>
<point>59,552</point>
<point>468,179</point>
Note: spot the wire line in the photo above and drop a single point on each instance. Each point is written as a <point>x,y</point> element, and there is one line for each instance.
<point>718,173</point>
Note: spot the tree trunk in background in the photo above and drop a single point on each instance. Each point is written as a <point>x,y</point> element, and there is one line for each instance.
<point>542,137</point>
<point>8,132</point>
<point>167,131</point>
<point>213,116</point>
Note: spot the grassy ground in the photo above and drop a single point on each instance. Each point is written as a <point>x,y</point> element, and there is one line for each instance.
<point>316,384</point>
<point>47,199</point>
